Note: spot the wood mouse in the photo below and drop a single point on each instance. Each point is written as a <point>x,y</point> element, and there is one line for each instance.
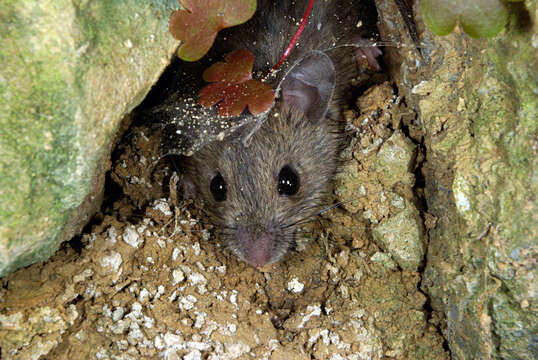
<point>258,194</point>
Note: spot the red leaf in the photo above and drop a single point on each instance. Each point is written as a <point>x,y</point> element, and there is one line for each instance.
<point>261,96</point>
<point>198,23</point>
<point>236,69</point>
<point>232,85</point>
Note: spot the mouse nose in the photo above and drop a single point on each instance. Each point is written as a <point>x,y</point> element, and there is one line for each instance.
<point>256,246</point>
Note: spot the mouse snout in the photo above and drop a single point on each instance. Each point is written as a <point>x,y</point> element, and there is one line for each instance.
<point>256,246</point>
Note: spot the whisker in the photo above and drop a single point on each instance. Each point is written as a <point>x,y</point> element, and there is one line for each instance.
<point>301,222</point>
<point>376,44</point>
<point>314,215</point>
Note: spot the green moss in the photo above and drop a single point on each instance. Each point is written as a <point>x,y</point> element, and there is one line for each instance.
<point>512,328</point>
<point>36,107</point>
<point>70,72</point>
<point>489,150</point>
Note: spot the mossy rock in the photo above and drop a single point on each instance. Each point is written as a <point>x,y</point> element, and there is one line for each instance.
<point>70,71</point>
<point>477,105</point>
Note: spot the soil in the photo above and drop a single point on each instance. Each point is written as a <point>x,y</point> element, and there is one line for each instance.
<point>148,279</point>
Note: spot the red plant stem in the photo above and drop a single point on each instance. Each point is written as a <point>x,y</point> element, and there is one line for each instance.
<point>296,36</point>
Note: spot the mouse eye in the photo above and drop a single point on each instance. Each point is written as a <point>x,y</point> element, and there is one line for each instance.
<point>218,188</point>
<point>288,181</point>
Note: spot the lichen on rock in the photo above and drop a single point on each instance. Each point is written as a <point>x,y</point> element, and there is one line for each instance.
<point>84,66</point>
<point>477,105</point>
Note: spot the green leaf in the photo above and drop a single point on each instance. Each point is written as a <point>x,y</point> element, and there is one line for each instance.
<point>440,16</point>
<point>478,18</point>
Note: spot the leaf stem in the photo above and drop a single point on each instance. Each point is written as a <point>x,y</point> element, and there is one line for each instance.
<point>296,36</point>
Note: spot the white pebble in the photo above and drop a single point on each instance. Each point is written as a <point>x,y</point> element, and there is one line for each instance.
<point>130,236</point>
<point>113,261</point>
<point>295,285</point>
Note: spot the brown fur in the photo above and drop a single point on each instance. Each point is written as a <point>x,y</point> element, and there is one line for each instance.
<point>312,147</point>
<point>252,173</point>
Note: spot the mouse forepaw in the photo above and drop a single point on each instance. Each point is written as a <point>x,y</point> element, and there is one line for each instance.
<point>366,53</point>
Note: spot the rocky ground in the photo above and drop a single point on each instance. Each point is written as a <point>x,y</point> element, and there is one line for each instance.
<point>148,279</point>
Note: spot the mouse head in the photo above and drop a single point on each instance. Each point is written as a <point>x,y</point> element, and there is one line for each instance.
<point>258,195</point>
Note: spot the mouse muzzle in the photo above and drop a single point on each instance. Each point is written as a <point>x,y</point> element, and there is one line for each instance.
<point>256,245</point>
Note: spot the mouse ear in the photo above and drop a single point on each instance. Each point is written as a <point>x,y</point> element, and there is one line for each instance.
<point>309,85</point>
